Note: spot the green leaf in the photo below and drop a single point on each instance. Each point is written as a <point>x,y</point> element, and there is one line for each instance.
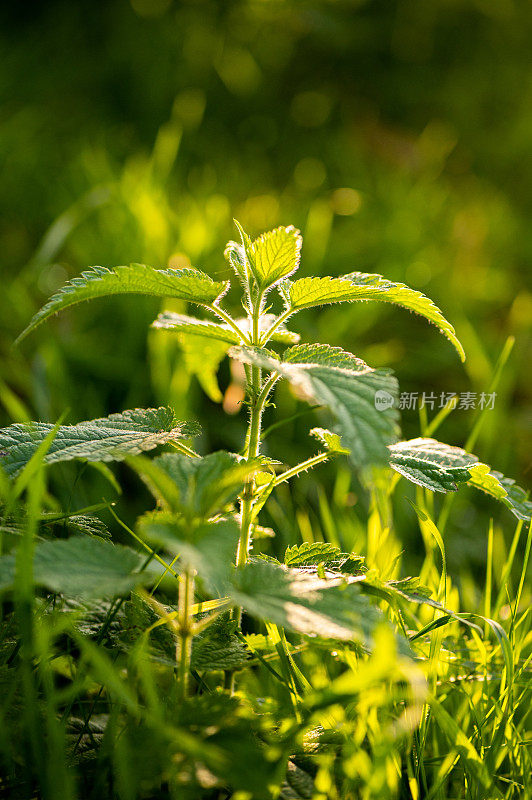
<point>363,400</point>
<point>331,441</point>
<point>309,292</point>
<point>314,554</point>
<point>168,320</point>
<point>471,760</point>
<point>274,255</point>
<point>209,548</point>
<point>107,439</point>
<point>182,284</point>
<point>214,648</point>
<point>431,464</point>
<point>304,603</point>
<point>298,784</point>
<point>440,467</point>
<point>195,487</point>
<point>501,488</point>
<point>87,524</point>
<point>81,567</point>
<point>202,357</point>
<point>217,647</point>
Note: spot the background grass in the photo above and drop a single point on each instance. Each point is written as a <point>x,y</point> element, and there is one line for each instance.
<point>394,135</point>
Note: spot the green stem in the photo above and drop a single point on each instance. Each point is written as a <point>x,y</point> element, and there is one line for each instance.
<point>310,462</point>
<point>230,321</point>
<point>184,619</point>
<point>278,322</point>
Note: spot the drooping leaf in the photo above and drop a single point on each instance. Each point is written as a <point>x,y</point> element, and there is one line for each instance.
<point>363,400</point>
<point>169,320</point>
<point>501,488</point>
<point>195,487</point>
<point>107,439</point>
<point>309,292</point>
<point>202,357</point>
<point>314,554</point>
<point>440,467</point>
<point>82,567</point>
<point>209,548</point>
<point>274,255</point>
<point>431,464</point>
<point>304,603</point>
<point>182,284</point>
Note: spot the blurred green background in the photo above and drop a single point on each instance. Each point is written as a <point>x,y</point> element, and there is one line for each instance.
<point>396,135</point>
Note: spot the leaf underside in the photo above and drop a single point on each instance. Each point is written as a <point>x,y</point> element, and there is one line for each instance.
<point>183,284</point>
<point>168,320</point>
<point>107,439</point>
<point>344,384</point>
<point>309,292</point>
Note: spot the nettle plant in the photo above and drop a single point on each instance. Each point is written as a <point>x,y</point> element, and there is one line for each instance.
<point>207,511</point>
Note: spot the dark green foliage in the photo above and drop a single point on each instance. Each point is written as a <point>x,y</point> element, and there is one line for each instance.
<point>112,438</point>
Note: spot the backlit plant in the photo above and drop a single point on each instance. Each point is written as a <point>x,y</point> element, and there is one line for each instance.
<point>207,507</point>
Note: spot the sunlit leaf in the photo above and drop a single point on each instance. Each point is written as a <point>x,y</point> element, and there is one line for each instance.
<point>440,467</point>
<point>314,554</point>
<point>183,284</point>
<point>169,320</point>
<point>309,292</point>
<point>106,439</point>
<point>343,383</point>
<point>431,464</point>
<point>274,255</point>
<point>304,603</point>
<point>501,488</point>
<point>331,441</point>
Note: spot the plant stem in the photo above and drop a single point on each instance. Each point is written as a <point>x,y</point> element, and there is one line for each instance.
<point>310,462</point>
<point>278,322</point>
<point>184,618</point>
<point>229,320</point>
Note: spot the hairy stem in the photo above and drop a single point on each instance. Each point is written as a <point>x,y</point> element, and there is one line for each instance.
<point>278,322</point>
<point>230,321</point>
<point>185,629</point>
<point>310,462</point>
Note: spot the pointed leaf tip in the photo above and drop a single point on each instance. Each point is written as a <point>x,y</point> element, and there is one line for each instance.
<point>183,284</point>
